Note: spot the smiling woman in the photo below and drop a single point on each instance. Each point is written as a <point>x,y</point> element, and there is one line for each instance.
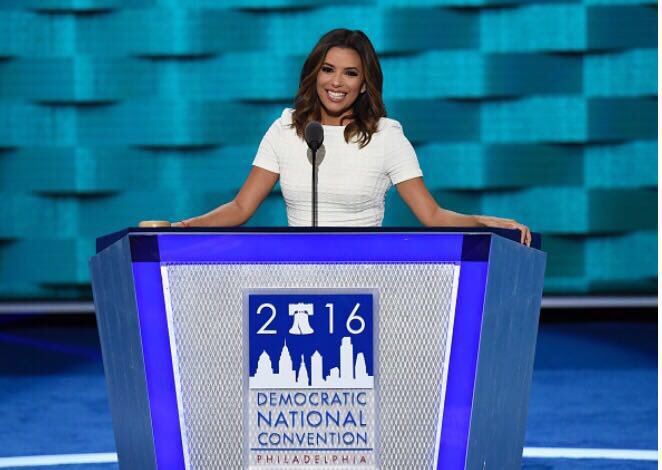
<point>364,152</point>
<point>341,83</point>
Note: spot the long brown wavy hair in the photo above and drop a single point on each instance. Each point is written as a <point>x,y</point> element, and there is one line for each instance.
<point>368,107</point>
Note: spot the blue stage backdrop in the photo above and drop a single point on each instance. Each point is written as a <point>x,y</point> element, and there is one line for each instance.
<point>113,111</point>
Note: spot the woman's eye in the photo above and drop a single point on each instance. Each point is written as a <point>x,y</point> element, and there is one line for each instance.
<point>353,73</point>
<point>327,69</point>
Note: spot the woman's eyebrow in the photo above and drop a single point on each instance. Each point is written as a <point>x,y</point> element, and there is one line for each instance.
<point>346,68</point>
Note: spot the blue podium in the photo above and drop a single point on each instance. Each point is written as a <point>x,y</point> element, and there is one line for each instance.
<point>326,348</point>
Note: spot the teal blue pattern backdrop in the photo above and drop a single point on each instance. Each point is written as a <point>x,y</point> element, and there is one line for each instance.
<point>113,111</point>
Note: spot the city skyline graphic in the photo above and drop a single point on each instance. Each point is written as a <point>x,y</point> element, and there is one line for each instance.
<point>350,373</point>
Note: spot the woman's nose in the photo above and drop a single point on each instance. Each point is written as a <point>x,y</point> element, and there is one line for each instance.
<point>337,80</point>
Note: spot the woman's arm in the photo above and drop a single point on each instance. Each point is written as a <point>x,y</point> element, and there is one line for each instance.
<point>255,189</point>
<point>429,213</point>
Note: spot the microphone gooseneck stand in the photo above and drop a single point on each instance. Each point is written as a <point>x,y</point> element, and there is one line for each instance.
<point>314,189</point>
<point>314,136</point>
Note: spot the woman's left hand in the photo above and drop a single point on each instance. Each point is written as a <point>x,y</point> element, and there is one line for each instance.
<point>498,222</point>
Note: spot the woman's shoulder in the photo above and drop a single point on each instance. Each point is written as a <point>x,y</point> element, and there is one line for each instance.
<point>282,125</point>
<point>388,126</point>
<point>285,119</point>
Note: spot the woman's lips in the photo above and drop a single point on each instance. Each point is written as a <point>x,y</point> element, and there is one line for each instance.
<point>336,96</point>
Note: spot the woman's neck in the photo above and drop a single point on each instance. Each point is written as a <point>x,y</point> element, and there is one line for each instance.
<point>330,120</point>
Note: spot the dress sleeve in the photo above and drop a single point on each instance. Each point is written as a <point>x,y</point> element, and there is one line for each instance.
<point>267,152</point>
<point>401,161</point>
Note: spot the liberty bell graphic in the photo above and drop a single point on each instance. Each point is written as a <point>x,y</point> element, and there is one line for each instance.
<point>301,312</point>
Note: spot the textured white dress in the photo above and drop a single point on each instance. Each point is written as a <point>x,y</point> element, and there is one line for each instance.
<point>352,182</point>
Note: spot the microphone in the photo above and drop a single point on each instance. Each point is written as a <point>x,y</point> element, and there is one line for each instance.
<point>314,135</point>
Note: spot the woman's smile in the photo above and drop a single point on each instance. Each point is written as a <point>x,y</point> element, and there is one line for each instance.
<point>336,96</point>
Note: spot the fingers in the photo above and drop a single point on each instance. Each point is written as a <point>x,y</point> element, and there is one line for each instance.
<point>525,232</point>
<point>526,235</point>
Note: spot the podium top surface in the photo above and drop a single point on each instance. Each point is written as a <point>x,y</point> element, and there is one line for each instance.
<point>309,244</point>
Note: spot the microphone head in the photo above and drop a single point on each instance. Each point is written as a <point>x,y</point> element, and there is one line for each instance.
<point>314,135</point>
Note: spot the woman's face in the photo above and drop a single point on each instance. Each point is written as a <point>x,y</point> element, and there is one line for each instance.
<point>340,81</point>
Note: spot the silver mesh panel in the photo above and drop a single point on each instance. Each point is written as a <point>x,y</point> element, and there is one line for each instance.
<point>205,304</point>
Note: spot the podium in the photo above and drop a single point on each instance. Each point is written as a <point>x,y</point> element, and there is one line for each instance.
<point>325,348</point>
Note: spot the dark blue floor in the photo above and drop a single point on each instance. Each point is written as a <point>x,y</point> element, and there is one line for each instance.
<point>52,391</point>
<point>594,386</point>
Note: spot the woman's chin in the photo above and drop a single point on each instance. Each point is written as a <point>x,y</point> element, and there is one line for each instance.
<point>334,109</point>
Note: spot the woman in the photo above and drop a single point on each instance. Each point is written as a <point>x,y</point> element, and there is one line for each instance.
<point>363,153</point>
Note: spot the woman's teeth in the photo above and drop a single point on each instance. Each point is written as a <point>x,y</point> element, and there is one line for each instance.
<point>335,96</point>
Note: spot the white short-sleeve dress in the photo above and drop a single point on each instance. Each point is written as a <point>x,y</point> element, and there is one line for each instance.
<point>352,181</point>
